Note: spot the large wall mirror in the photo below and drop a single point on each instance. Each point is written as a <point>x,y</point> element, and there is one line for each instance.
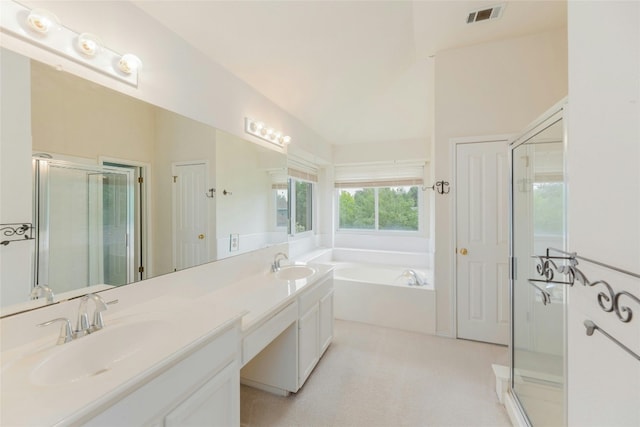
<point>124,190</point>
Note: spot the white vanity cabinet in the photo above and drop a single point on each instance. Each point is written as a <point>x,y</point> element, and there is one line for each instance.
<point>286,362</point>
<point>308,343</point>
<point>325,310</point>
<point>315,326</point>
<point>200,389</point>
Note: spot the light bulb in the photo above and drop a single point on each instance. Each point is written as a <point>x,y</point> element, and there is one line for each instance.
<point>263,132</point>
<point>286,139</point>
<point>253,127</point>
<point>260,125</point>
<point>42,21</point>
<point>129,63</point>
<point>89,44</point>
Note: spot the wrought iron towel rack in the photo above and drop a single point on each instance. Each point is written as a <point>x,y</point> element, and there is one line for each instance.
<point>591,327</point>
<point>608,299</point>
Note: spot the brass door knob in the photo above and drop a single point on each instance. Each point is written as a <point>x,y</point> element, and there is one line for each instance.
<point>201,236</point>
<point>463,251</point>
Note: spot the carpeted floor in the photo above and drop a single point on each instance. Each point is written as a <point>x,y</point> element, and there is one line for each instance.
<point>372,376</point>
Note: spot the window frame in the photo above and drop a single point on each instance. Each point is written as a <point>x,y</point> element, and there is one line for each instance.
<point>292,208</point>
<point>421,231</point>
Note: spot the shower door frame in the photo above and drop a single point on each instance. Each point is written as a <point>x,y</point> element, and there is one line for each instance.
<point>551,116</point>
<point>41,168</point>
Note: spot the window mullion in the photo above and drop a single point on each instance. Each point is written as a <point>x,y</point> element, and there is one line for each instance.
<point>375,208</point>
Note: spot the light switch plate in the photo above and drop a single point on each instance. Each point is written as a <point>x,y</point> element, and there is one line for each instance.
<point>234,242</point>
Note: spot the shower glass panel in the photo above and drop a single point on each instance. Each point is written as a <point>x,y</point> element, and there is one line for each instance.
<point>84,222</point>
<point>538,222</point>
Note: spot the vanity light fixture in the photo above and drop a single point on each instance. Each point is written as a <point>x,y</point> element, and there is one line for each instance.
<point>43,29</point>
<point>262,131</point>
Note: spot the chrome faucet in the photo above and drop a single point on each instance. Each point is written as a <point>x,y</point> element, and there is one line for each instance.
<point>414,278</point>
<point>40,291</point>
<point>82,326</point>
<point>276,261</point>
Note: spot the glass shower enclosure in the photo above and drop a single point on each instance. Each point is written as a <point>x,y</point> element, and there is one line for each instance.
<point>538,309</point>
<point>84,225</point>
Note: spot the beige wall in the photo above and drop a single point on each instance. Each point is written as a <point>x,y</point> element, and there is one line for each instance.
<point>487,89</point>
<point>604,207</point>
<point>78,118</point>
<point>383,151</point>
<point>240,172</point>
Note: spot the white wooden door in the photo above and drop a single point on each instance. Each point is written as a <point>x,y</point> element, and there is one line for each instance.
<point>190,215</point>
<point>482,274</point>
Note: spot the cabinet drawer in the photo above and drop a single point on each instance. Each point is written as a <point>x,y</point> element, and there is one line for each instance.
<point>253,343</point>
<point>313,295</point>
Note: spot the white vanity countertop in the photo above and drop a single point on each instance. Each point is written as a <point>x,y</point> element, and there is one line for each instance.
<point>165,329</point>
<point>261,296</point>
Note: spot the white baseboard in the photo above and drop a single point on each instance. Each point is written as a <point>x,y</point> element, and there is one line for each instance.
<point>264,387</point>
<point>516,417</point>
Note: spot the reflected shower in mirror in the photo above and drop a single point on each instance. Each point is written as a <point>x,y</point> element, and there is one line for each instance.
<point>125,190</point>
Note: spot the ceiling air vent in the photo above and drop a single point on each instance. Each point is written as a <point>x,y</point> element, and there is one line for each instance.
<point>493,12</point>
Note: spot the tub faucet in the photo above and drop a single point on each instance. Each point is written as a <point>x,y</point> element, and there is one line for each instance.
<point>40,291</point>
<point>276,261</point>
<point>414,278</point>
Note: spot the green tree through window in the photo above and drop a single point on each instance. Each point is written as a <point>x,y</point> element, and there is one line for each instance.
<point>303,200</point>
<point>397,208</point>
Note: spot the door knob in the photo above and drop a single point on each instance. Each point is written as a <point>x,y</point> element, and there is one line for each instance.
<point>200,236</point>
<point>463,251</point>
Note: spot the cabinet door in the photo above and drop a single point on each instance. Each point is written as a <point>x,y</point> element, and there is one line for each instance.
<point>213,404</point>
<point>308,348</point>
<point>326,321</point>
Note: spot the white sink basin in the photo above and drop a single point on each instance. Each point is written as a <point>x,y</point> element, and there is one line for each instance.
<point>95,354</point>
<point>294,272</point>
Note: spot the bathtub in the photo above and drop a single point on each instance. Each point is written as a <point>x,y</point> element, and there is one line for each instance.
<point>376,294</point>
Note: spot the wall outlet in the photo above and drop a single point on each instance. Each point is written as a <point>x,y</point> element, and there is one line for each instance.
<point>234,242</point>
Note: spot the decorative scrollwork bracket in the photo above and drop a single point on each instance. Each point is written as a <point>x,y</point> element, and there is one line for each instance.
<point>16,232</point>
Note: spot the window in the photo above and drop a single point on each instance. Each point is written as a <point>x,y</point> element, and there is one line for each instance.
<point>282,206</point>
<point>548,209</point>
<point>302,179</point>
<point>381,197</point>
<point>303,206</point>
<point>379,208</point>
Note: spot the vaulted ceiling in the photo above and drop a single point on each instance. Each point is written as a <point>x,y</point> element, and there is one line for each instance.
<point>354,71</point>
